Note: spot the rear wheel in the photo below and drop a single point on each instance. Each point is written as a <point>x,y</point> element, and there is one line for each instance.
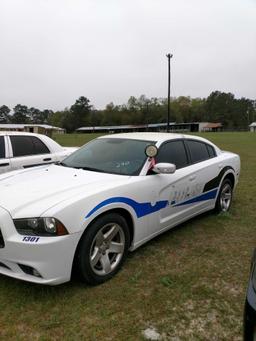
<point>103,248</point>
<point>224,199</point>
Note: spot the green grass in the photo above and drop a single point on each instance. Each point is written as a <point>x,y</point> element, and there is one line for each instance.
<point>188,283</point>
<point>73,140</point>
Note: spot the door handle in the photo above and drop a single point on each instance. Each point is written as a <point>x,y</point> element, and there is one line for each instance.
<point>47,159</point>
<point>4,164</point>
<point>192,177</point>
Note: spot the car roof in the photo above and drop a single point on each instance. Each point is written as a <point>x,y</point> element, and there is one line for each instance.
<point>6,132</point>
<point>154,136</point>
<point>18,133</point>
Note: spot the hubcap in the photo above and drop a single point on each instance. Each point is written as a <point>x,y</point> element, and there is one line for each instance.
<point>107,249</point>
<point>225,197</point>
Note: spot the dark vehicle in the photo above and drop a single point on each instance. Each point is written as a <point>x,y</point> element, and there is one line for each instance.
<point>250,304</point>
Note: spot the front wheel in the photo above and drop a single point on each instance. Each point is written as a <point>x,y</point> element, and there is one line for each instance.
<point>224,199</point>
<point>103,248</point>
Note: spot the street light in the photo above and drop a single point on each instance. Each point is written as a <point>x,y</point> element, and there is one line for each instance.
<point>169,56</point>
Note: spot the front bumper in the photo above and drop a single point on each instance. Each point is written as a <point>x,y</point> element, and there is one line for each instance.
<point>43,260</point>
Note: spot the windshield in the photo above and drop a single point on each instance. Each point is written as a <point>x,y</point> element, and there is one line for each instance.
<point>110,155</point>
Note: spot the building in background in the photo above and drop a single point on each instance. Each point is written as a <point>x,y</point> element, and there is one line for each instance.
<point>252,127</point>
<point>33,128</point>
<point>212,127</point>
<point>174,127</point>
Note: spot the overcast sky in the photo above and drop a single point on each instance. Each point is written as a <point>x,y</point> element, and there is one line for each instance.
<point>54,51</point>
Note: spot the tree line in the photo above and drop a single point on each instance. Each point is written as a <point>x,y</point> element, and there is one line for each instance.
<point>219,106</point>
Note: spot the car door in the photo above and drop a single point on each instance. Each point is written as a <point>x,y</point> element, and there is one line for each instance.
<point>4,159</point>
<point>185,190</point>
<point>173,188</point>
<point>29,151</point>
<point>205,169</point>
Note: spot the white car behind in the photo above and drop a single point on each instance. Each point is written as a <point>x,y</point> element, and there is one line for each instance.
<point>23,150</point>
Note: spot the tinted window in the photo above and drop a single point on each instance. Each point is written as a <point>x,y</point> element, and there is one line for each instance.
<point>173,152</point>
<point>211,151</point>
<point>27,145</point>
<point>40,147</point>
<point>2,148</point>
<point>198,151</point>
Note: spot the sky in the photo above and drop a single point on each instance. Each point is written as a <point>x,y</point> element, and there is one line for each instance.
<point>54,51</point>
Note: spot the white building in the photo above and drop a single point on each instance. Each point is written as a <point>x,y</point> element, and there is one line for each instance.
<point>252,127</point>
<point>32,128</point>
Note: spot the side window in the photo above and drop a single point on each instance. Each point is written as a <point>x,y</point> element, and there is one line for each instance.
<point>198,151</point>
<point>27,145</point>
<point>211,151</point>
<point>173,152</point>
<point>40,147</point>
<point>2,147</point>
<point>22,145</point>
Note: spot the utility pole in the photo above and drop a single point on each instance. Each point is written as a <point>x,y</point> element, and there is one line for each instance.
<point>169,56</point>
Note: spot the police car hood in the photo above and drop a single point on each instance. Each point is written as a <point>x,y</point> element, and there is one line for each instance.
<point>29,193</point>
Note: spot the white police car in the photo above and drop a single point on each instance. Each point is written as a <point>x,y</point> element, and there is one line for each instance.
<point>110,196</point>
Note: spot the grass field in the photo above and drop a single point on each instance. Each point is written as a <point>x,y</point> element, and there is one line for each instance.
<point>189,283</point>
<point>73,140</point>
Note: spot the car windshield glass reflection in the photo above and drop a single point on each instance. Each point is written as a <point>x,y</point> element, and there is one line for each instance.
<point>110,155</point>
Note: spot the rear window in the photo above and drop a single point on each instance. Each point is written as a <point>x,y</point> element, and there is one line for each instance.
<point>211,151</point>
<point>2,147</point>
<point>198,151</point>
<point>40,147</point>
<point>27,145</point>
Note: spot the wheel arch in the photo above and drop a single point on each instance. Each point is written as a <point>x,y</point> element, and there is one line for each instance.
<point>230,176</point>
<point>119,210</point>
<point>227,176</point>
<point>127,216</point>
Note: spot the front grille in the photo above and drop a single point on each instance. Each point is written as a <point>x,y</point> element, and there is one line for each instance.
<point>1,240</point>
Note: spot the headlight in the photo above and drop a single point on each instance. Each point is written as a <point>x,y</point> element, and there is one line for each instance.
<point>40,227</point>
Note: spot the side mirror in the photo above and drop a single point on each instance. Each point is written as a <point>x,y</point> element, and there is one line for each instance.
<point>164,168</point>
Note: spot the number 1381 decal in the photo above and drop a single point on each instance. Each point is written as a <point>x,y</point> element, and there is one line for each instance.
<point>29,239</point>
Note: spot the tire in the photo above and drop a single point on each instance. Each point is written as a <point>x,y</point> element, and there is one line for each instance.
<point>225,196</point>
<point>95,261</point>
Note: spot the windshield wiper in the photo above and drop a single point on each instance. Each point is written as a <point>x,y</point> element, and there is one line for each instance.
<point>91,169</point>
<point>59,163</point>
<point>77,167</point>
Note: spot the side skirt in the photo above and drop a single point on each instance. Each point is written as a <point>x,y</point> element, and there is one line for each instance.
<point>153,235</point>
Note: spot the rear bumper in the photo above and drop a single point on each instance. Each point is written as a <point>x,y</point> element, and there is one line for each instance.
<point>43,260</point>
